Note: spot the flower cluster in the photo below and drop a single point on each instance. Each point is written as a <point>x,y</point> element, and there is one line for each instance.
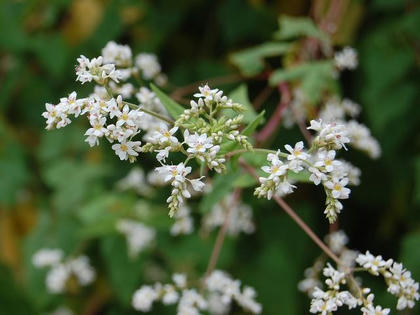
<point>397,278</point>
<point>138,235</point>
<point>110,117</point>
<point>183,222</point>
<point>220,291</point>
<point>319,161</point>
<point>238,214</point>
<point>135,180</point>
<point>61,270</point>
<point>346,59</point>
<point>177,176</point>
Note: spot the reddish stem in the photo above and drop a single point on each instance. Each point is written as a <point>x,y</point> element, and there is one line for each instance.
<point>295,217</point>
<point>221,235</point>
<point>275,119</point>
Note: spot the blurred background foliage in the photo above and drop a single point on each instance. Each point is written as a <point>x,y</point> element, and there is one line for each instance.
<point>53,187</point>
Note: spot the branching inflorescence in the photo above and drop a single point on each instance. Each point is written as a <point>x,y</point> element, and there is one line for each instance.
<point>207,139</point>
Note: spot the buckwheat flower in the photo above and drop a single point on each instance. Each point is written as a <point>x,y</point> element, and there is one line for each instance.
<point>240,216</point>
<point>296,152</point>
<point>336,241</point>
<point>126,117</point>
<point>148,64</point>
<point>47,257</point>
<point>138,235</point>
<point>125,150</point>
<point>338,188</point>
<point>206,93</point>
<point>174,172</point>
<point>316,175</point>
<point>162,154</point>
<point>166,136</point>
<point>118,133</point>
<point>323,307</point>
<point>375,310</point>
<point>277,167</point>
<point>346,59</point>
<point>371,263</point>
<point>143,298</point>
<point>352,109</point>
<point>183,222</point>
<point>94,69</point>
<point>97,130</point>
<point>331,136</point>
<point>197,183</point>
<point>180,280</point>
<point>135,180</point>
<point>82,269</point>
<point>198,144</point>
<point>325,160</point>
<point>120,55</point>
<point>191,302</point>
<point>57,278</point>
<point>362,139</point>
<point>73,104</point>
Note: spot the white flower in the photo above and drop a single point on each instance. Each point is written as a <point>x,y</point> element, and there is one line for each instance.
<point>47,257</point>
<point>166,136</point>
<point>325,160</point>
<point>83,271</point>
<point>125,150</point>
<point>148,64</point>
<point>206,93</point>
<point>138,235</point>
<point>162,154</point>
<point>346,59</point>
<point>180,280</point>
<point>127,117</point>
<point>176,172</point>
<point>336,241</point>
<point>144,298</point>
<point>119,55</point>
<point>94,69</point>
<point>98,128</point>
<point>296,152</point>
<point>198,144</point>
<point>57,278</point>
<point>330,135</point>
<point>338,188</point>
<point>372,310</point>
<point>371,263</point>
<point>136,180</point>
<point>277,167</point>
<point>316,175</point>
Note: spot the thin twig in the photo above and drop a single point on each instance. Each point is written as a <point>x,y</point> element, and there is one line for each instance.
<point>274,121</point>
<point>221,235</point>
<point>295,217</point>
<point>262,96</point>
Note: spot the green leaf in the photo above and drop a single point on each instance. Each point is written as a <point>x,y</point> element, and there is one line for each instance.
<point>292,27</point>
<point>253,124</point>
<point>240,95</point>
<point>315,77</point>
<point>173,108</point>
<point>251,61</point>
<point>12,298</point>
<point>124,273</point>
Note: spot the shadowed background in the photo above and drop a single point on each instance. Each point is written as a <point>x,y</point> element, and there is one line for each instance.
<point>49,179</point>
